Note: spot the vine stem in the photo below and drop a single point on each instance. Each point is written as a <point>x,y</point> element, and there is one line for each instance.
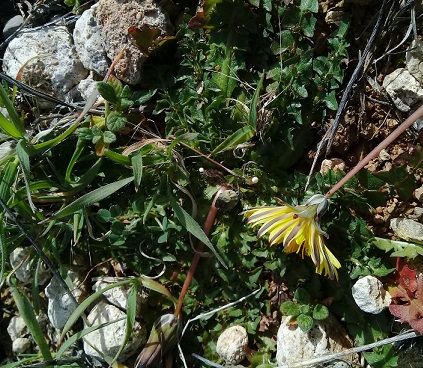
<point>211,217</point>
<point>375,152</point>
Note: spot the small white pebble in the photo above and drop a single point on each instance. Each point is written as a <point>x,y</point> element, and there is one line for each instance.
<point>254,179</point>
<point>231,344</point>
<point>201,170</point>
<point>370,296</point>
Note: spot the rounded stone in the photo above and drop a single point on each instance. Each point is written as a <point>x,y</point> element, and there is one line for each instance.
<point>231,344</point>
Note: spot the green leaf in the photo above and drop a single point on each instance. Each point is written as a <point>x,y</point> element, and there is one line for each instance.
<point>252,117</point>
<point>107,92</point>
<point>27,313</point>
<point>91,198</point>
<point>117,157</point>
<point>192,226</point>
<point>109,137</point>
<point>398,248</point>
<point>305,322</point>
<point>320,312</point>
<point>85,133</point>
<point>14,116</point>
<point>309,5</point>
<point>330,101</point>
<point>290,309</point>
<point>136,162</point>
<point>9,128</point>
<point>140,97</point>
<point>22,152</point>
<point>302,296</point>
<point>242,135</point>
<point>116,121</point>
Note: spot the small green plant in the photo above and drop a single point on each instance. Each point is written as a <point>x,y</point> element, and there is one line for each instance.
<point>303,311</point>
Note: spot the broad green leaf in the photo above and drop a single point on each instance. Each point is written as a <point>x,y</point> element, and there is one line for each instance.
<point>107,92</point>
<point>302,296</point>
<point>136,161</point>
<point>27,313</point>
<point>192,226</point>
<point>305,322</point>
<point>309,5</point>
<point>91,198</point>
<point>140,97</point>
<point>116,121</point>
<point>398,248</point>
<point>242,135</point>
<point>320,312</point>
<point>290,309</point>
<point>109,137</point>
<point>9,128</point>
<point>330,101</point>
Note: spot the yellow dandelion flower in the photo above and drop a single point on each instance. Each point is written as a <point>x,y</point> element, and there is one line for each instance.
<point>297,228</point>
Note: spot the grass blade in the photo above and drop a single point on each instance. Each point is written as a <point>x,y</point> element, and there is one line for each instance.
<point>27,313</point>
<point>242,135</point>
<point>91,197</point>
<point>26,170</point>
<point>252,117</point>
<point>14,116</point>
<point>192,226</point>
<point>137,169</point>
<point>9,128</point>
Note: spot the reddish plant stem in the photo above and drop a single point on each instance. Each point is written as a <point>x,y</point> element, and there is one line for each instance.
<point>375,152</point>
<point>211,217</point>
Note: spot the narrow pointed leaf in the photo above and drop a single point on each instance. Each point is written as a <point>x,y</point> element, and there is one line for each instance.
<point>242,135</point>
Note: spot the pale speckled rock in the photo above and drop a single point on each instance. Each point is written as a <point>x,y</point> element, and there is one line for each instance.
<point>21,345</point>
<point>87,87</point>
<point>89,43</point>
<point>404,89</point>
<point>114,17</point>
<point>414,59</point>
<point>418,194</point>
<point>109,338</point>
<point>25,266</point>
<point>60,305</point>
<point>408,229</point>
<point>49,59</point>
<point>231,344</point>
<point>118,295</point>
<point>370,296</point>
<point>325,337</point>
<point>16,327</point>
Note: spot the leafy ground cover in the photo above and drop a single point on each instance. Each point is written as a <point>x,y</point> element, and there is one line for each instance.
<point>235,100</point>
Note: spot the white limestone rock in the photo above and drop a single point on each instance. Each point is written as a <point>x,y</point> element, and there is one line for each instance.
<point>370,296</point>
<point>87,87</point>
<point>414,59</point>
<point>408,229</point>
<point>16,328</point>
<point>231,344</point>
<point>114,17</point>
<point>48,60</point>
<point>89,43</point>
<point>109,338</point>
<point>25,266</point>
<point>325,337</point>
<point>60,305</point>
<point>404,89</point>
<point>21,345</point>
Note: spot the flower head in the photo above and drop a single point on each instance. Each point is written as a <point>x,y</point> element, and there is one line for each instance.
<point>297,228</point>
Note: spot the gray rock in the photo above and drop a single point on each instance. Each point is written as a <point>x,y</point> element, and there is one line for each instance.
<point>414,59</point>
<point>370,296</point>
<point>231,345</point>
<point>24,266</point>
<point>108,339</point>
<point>114,17</point>
<point>89,43</point>
<point>418,194</point>
<point>47,59</point>
<point>60,305</point>
<point>87,87</point>
<point>403,88</point>
<point>408,229</point>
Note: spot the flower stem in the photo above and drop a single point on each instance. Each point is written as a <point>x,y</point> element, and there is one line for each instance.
<point>211,217</point>
<point>375,152</point>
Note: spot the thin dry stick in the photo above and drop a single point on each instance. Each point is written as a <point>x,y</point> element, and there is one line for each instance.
<point>375,152</point>
<point>200,248</point>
